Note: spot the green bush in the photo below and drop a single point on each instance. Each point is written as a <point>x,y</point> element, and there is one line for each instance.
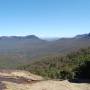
<point>83,71</point>
<point>72,66</point>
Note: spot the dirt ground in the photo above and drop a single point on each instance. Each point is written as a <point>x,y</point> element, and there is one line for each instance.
<point>22,80</point>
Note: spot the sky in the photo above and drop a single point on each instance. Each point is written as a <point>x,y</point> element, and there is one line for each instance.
<point>44,18</point>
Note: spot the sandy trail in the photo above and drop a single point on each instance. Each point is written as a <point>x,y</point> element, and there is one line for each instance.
<point>22,80</point>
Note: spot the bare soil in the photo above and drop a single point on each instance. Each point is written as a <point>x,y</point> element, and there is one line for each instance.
<point>23,80</point>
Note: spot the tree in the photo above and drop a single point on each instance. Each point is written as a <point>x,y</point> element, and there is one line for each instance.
<point>83,71</point>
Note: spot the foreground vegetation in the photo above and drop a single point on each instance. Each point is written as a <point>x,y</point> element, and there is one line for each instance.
<point>72,66</point>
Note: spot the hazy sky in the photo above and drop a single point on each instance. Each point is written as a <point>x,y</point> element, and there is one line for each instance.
<point>44,18</point>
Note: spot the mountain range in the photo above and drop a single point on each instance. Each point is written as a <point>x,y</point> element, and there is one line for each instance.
<point>24,49</point>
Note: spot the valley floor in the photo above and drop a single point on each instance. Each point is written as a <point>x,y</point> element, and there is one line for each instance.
<point>22,80</point>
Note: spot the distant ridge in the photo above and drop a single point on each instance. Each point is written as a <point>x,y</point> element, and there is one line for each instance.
<point>31,37</point>
<point>83,36</point>
<point>48,39</point>
<point>20,37</point>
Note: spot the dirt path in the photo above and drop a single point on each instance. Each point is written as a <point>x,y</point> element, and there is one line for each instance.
<point>22,80</point>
